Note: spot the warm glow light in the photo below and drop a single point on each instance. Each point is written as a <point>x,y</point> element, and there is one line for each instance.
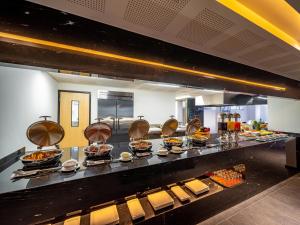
<point>275,16</point>
<point>134,60</point>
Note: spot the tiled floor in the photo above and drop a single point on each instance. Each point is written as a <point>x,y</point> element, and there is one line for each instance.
<point>278,205</point>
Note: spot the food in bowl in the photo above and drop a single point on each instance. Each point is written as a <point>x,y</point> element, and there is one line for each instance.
<point>141,145</point>
<point>98,149</point>
<point>41,155</point>
<point>172,141</point>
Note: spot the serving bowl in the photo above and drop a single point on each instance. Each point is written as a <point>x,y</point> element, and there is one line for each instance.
<point>41,157</point>
<point>172,141</point>
<point>141,145</point>
<point>98,150</point>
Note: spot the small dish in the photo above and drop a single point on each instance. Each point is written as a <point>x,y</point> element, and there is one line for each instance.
<point>162,152</point>
<point>69,164</point>
<point>125,159</point>
<point>70,169</point>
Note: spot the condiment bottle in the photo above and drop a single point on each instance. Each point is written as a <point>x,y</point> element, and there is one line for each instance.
<point>237,122</point>
<point>230,124</point>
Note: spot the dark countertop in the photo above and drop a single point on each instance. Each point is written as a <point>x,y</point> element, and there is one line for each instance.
<point>7,185</point>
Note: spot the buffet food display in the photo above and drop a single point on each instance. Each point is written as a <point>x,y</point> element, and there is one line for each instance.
<point>197,135</point>
<point>168,130</point>
<point>44,133</point>
<point>138,133</point>
<point>172,141</point>
<point>42,157</point>
<point>140,145</point>
<point>97,134</point>
<point>227,177</point>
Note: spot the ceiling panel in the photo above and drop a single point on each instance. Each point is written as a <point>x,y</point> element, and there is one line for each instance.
<point>262,53</point>
<point>201,25</point>
<point>241,40</point>
<point>279,61</point>
<point>153,14</point>
<point>206,26</point>
<point>290,68</point>
<point>97,5</point>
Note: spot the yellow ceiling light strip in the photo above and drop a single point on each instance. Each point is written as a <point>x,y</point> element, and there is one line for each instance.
<point>134,60</point>
<point>270,15</point>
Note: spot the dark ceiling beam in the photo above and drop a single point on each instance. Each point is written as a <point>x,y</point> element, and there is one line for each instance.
<point>40,22</point>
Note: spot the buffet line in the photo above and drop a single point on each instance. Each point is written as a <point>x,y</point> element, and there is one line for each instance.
<point>145,204</point>
<point>47,133</point>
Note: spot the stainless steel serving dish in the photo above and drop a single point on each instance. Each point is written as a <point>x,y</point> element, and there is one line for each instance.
<point>140,146</point>
<point>97,134</point>
<point>138,132</point>
<point>42,157</point>
<point>168,129</point>
<point>98,150</point>
<point>44,133</point>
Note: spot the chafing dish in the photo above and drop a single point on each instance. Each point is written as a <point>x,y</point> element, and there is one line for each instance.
<point>168,129</point>
<point>196,134</point>
<point>141,145</point>
<point>172,141</point>
<point>138,132</point>
<point>44,133</point>
<point>98,133</point>
<point>98,150</point>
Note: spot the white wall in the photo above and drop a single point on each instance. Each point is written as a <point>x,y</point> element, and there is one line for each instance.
<point>213,99</point>
<point>210,117</point>
<point>284,114</point>
<point>24,96</point>
<point>156,106</point>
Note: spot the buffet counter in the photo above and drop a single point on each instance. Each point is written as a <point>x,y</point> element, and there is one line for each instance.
<point>58,194</point>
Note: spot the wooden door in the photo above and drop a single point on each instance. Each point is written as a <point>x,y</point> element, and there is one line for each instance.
<point>74,117</point>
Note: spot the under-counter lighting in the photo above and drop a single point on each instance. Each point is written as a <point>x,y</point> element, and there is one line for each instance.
<point>9,37</point>
<point>275,16</point>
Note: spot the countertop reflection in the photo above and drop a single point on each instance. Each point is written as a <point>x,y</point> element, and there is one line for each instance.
<point>8,185</point>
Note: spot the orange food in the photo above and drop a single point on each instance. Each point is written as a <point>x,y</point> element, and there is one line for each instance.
<point>41,155</point>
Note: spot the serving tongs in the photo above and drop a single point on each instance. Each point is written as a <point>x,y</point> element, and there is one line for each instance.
<point>28,173</point>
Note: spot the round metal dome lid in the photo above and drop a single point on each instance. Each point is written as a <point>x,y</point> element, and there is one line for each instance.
<point>139,129</point>
<point>169,127</point>
<point>193,125</point>
<point>45,132</point>
<point>98,132</point>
